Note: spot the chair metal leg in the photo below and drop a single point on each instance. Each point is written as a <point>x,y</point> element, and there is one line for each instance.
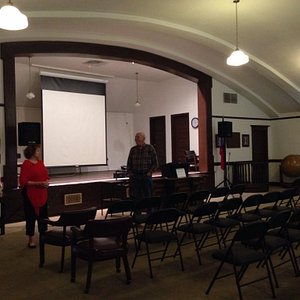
<point>237,281</point>
<point>42,252</point>
<point>89,276</point>
<point>118,264</point>
<point>149,260</point>
<point>62,260</point>
<point>73,267</point>
<point>214,278</point>
<point>127,269</point>
<point>270,278</point>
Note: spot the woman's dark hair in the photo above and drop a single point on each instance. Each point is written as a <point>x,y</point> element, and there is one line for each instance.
<point>30,150</point>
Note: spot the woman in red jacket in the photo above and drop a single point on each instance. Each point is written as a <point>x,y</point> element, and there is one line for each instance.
<point>34,183</point>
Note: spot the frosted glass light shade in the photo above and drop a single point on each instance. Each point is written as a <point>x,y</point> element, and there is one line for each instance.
<point>12,19</point>
<point>237,58</point>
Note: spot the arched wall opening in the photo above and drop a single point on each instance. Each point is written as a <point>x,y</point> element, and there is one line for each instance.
<point>9,51</point>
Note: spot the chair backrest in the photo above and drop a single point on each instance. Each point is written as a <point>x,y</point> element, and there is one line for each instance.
<point>286,197</point>
<point>270,197</point>
<point>77,217</point>
<point>148,203</point>
<point>279,220</point>
<point>206,209</point>
<point>118,228</point>
<point>220,192</point>
<point>190,156</point>
<point>252,201</point>
<point>120,207</point>
<point>198,197</point>
<point>176,200</point>
<point>251,231</point>
<point>230,206</point>
<point>237,190</point>
<point>163,216</point>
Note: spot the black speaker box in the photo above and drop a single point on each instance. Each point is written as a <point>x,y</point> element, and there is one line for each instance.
<point>29,133</point>
<point>225,129</point>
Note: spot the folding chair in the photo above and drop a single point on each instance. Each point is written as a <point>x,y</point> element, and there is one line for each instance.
<point>223,223</point>
<point>199,230</point>
<point>122,206</point>
<point>178,201</point>
<point>248,207</point>
<point>241,257</point>
<point>160,228</point>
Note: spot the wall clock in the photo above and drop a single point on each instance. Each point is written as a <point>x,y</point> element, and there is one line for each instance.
<point>195,122</point>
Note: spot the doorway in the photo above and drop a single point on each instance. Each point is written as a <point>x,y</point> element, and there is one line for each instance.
<point>260,157</point>
<point>158,137</point>
<point>180,136</point>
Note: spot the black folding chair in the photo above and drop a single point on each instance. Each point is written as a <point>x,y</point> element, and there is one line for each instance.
<point>241,257</point>
<point>197,228</point>
<point>160,229</point>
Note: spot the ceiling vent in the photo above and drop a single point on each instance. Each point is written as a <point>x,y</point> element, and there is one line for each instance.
<point>230,98</point>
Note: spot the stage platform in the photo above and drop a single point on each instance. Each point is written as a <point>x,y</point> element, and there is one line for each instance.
<point>91,189</point>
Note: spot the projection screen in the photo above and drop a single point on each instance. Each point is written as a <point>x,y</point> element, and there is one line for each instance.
<point>74,128</point>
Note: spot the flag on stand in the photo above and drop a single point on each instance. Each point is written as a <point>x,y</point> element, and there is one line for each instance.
<point>222,154</point>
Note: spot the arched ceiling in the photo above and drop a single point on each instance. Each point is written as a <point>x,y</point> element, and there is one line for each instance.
<point>198,33</point>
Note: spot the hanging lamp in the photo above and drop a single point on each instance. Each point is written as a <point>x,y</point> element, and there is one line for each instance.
<point>30,95</point>
<point>137,103</point>
<point>11,18</point>
<point>237,57</point>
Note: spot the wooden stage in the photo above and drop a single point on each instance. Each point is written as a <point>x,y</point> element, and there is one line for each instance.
<point>77,191</point>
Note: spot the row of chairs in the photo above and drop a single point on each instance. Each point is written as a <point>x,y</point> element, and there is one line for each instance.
<point>147,221</point>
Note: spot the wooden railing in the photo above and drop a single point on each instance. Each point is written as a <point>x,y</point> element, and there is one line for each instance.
<point>255,175</point>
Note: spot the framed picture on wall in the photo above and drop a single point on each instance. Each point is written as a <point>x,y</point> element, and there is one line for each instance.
<point>245,140</point>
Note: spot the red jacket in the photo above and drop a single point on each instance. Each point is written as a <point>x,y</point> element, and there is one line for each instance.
<point>34,172</point>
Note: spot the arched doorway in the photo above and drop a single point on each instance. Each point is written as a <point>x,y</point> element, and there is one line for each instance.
<point>16,49</point>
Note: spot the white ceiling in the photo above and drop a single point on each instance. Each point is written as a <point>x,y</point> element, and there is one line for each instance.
<point>198,33</point>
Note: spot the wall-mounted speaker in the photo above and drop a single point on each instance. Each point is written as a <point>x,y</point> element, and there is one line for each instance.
<point>29,133</point>
<point>225,129</point>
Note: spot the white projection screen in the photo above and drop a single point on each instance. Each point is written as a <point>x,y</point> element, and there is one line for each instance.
<point>74,128</point>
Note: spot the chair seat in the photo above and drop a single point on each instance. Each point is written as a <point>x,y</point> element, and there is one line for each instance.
<point>140,218</point>
<point>275,242</point>
<point>246,217</point>
<point>156,236</point>
<point>104,248</point>
<point>196,228</point>
<point>55,237</point>
<point>294,235</point>
<point>225,222</point>
<point>239,255</point>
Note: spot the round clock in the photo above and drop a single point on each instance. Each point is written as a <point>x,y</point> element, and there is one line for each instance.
<point>195,122</point>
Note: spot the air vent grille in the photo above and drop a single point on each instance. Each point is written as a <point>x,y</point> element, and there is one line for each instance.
<point>71,199</point>
<point>230,98</point>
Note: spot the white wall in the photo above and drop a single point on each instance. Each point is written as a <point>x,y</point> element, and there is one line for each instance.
<point>244,108</point>
<point>173,96</point>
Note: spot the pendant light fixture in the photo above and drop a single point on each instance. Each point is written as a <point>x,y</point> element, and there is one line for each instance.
<point>237,57</point>
<point>11,18</point>
<point>137,103</point>
<point>30,95</point>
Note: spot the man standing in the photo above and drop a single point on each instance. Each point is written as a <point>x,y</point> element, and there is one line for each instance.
<point>141,163</point>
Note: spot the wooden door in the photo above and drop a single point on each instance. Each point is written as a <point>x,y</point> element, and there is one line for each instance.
<point>180,136</point>
<point>158,137</point>
<point>260,172</point>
